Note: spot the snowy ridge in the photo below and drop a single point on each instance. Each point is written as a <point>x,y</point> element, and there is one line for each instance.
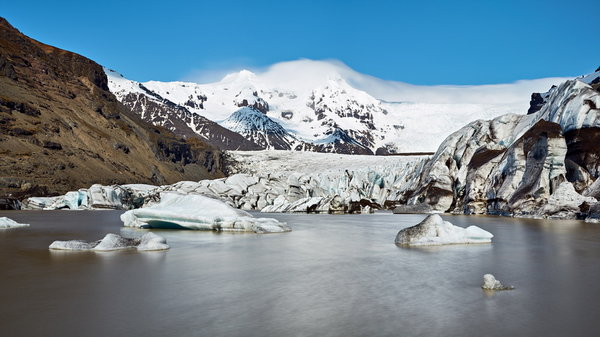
<point>157,110</point>
<point>330,105</point>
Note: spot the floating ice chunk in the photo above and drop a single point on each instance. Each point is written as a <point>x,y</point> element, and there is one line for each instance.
<point>193,211</point>
<point>435,231</point>
<point>490,283</point>
<point>151,241</point>
<point>6,223</point>
<point>114,242</point>
<point>148,241</point>
<point>73,245</point>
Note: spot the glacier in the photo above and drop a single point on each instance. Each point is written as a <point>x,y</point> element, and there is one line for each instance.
<point>539,165</point>
<point>271,181</point>
<point>434,231</point>
<point>112,242</point>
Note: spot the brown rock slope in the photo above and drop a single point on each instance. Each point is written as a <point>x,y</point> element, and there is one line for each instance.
<point>61,129</point>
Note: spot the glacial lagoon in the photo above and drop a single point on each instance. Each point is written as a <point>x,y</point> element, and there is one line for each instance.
<point>333,275</point>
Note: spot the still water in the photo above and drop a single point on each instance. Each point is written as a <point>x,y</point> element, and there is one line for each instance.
<point>334,275</point>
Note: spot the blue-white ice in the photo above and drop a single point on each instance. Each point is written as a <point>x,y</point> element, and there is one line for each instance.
<point>111,242</point>
<point>6,223</point>
<point>193,211</point>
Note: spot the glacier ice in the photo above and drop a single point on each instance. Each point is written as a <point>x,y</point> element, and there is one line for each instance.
<point>271,181</point>
<point>194,211</point>
<point>6,223</point>
<point>490,283</point>
<point>433,230</point>
<point>537,165</point>
<point>110,242</point>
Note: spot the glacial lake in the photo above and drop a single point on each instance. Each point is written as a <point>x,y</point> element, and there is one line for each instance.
<point>334,275</point>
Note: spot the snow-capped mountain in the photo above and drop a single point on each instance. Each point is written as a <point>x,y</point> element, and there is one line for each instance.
<point>255,126</point>
<point>326,106</point>
<point>153,108</point>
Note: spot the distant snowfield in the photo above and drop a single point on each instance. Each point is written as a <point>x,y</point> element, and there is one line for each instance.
<point>314,163</point>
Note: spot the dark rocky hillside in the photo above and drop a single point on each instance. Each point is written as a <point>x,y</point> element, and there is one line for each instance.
<point>62,129</point>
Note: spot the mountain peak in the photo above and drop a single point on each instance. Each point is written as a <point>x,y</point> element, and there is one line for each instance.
<point>260,129</point>
<point>243,75</point>
<point>5,23</point>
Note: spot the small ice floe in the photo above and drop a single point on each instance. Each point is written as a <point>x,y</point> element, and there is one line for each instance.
<point>194,211</point>
<point>6,223</point>
<point>435,231</point>
<point>490,283</point>
<point>148,241</point>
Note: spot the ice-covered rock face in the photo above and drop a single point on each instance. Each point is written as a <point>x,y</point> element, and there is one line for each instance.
<point>193,211</point>
<point>514,164</point>
<point>433,230</point>
<point>7,223</point>
<point>111,242</point>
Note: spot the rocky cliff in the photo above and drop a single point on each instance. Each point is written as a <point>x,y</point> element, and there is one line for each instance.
<point>61,128</point>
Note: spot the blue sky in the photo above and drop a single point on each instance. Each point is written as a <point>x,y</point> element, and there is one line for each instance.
<point>420,42</point>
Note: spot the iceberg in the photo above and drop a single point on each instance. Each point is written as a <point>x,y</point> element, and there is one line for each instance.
<point>435,231</point>
<point>490,283</point>
<point>110,242</point>
<point>6,223</point>
<point>194,211</point>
